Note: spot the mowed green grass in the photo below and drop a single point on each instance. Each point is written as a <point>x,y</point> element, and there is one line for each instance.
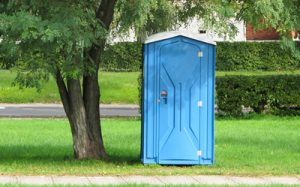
<point>264,145</point>
<point>116,87</point>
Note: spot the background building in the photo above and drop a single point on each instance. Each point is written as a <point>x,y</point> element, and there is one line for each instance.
<point>245,32</point>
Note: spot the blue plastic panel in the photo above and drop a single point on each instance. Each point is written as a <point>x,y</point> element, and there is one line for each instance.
<point>176,130</point>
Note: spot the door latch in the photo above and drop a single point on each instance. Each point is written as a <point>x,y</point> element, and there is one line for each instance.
<point>199,153</point>
<point>200,54</point>
<point>164,96</point>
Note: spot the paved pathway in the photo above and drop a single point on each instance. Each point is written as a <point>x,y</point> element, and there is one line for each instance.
<point>157,180</point>
<point>56,110</point>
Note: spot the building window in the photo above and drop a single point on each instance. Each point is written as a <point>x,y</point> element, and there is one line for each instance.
<point>202,31</point>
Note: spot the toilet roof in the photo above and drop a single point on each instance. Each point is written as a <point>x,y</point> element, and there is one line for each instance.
<point>172,34</point>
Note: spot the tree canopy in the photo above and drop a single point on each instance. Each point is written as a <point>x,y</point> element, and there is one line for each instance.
<point>58,24</point>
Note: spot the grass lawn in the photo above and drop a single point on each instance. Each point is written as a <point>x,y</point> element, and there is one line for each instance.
<point>261,145</point>
<point>116,87</point>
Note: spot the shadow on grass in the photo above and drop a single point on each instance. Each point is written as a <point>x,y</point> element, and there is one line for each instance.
<point>124,159</point>
<point>64,153</point>
<point>30,152</point>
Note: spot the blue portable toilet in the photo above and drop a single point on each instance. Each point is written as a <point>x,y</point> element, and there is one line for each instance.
<point>178,99</point>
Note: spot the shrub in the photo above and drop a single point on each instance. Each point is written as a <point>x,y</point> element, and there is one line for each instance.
<point>235,56</point>
<point>7,56</point>
<point>274,94</point>
<point>123,56</point>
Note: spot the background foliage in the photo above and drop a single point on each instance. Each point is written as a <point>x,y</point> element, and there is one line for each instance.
<point>274,94</point>
<point>123,56</point>
<point>234,56</point>
<point>231,56</point>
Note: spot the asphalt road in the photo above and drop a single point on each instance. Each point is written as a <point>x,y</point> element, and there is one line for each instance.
<point>56,110</point>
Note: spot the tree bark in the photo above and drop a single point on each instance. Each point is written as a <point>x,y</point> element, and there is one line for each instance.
<point>91,97</point>
<point>85,142</point>
<point>82,106</point>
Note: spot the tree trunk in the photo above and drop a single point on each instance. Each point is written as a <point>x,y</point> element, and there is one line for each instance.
<point>86,137</point>
<point>91,96</point>
<point>82,107</point>
<point>84,119</point>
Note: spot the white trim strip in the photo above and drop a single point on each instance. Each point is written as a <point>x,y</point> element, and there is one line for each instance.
<point>172,34</point>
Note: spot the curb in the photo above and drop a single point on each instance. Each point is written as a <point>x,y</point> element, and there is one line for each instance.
<point>34,105</point>
<point>154,180</point>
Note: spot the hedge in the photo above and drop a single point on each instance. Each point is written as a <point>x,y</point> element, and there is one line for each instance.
<point>273,94</point>
<point>123,56</point>
<point>7,57</point>
<point>237,56</point>
<point>270,94</point>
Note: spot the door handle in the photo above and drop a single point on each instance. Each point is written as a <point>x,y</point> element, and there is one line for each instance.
<point>164,96</point>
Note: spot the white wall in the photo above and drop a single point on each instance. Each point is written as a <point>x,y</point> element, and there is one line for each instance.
<point>194,26</point>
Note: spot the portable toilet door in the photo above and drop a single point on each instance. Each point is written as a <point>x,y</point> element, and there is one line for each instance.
<point>178,99</point>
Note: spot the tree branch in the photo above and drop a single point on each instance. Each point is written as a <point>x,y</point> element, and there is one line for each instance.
<point>91,90</point>
<point>105,12</point>
<point>63,92</point>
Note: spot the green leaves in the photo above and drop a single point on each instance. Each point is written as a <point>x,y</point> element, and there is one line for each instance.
<point>254,56</point>
<point>48,35</point>
<point>123,56</point>
<point>273,94</point>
